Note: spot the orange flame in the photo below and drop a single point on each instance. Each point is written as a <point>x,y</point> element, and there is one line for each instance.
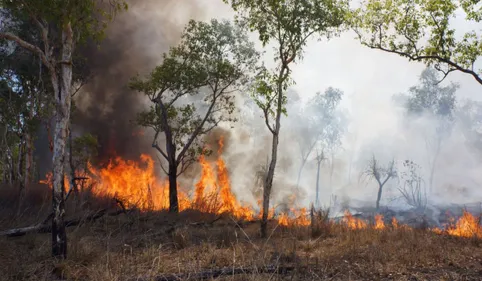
<point>379,224</point>
<point>214,194</point>
<point>135,184</point>
<point>467,226</point>
<point>352,222</point>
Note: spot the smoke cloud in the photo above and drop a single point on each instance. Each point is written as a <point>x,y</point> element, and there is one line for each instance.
<point>133,45</point>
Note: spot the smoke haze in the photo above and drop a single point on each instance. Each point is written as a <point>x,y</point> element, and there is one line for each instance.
<point>368,78</point>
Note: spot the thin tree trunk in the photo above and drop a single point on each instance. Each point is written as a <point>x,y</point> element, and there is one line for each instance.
<point>268,185</point>
<point>28,159</point>
<point>303,163</point>
<point>317,198</point>
<point>63,98</point>
<point>332,169</point>
<point>379,196</point>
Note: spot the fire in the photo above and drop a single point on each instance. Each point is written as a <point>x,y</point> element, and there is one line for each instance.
<point>298,218</point>
<point>135,184</point>
<point>49,180</point>
<point>467,226</point>
<point>394,222</point>
<point>214,194</point>
<point>352,222</point>
<point>379,224</point>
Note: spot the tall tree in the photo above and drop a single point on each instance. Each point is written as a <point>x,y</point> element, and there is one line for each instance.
<point>60,25</point>
<point>192,91</point>
<point>431,100</point>
<point>329,122</point>
<point>288,25</point>
<point>421,30</point>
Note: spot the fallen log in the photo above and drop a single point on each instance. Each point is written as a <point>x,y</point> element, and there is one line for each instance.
<point>47,228</point>
<point>215,273</point>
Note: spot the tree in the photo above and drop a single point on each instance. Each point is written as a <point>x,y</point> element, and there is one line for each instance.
<point>60,25</point>
<point>420,30</point>
<point>212,61</point>
<point>431,100</point>
<point>469,117</point>
<point>24,103</point>
<point>413,186</point>
<point>288,25</point>
<point>381,174</point>
<point>331,121</point>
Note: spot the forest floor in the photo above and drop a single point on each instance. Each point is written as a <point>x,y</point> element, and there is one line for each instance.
<point>156,245</point>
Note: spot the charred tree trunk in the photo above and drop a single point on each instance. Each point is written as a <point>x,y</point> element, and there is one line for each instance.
<point>173,201</point>
<point>62,86</point>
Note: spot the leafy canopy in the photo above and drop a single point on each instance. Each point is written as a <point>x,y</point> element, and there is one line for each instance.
<point>421,30</point>
<point>288,24</point>
<point>192,90</point>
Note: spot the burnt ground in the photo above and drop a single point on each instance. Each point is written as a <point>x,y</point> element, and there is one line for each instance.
<point>135,245</point>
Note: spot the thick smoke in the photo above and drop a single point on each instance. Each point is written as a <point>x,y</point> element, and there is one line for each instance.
<point>133,45</point>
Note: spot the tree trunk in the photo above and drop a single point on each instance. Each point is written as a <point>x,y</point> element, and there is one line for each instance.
<point>299,173</point>
<point>317,200</point>
<point>332,169</point>
<point>268,185</point>
<point>28,159</point>
<point>62,87</point>
<point>379,196</point>
<point>173,201</point>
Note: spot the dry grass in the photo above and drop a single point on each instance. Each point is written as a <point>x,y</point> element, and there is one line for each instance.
<point>152,244</point>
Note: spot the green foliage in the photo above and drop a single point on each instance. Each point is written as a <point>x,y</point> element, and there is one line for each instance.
<point>88,18</point>
<point>327,121</point>
<point>84,149</point>
<point>430,97</point>
<point>420,30</point>
<point>192,90</point>
<point>288,24</point>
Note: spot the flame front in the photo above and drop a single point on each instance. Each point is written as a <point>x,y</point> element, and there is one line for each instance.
<point>135,184</point>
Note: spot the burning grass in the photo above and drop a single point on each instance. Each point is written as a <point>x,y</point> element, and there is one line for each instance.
<point>147,244</point>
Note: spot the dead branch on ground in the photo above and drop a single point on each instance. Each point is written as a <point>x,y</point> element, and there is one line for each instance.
<point>215,273</point>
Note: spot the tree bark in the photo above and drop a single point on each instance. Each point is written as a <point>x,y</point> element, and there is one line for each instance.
<point>317,200</point>
<point>379,196</point>
<point>28,159</point>
<point>274,151</point>
<point>62,86</point>
<point>173,201</point>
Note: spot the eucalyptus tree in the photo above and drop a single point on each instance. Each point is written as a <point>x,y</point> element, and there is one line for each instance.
<point>287,25</point>
<point>61,25</point>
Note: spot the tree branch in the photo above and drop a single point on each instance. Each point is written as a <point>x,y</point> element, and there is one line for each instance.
<point>26,45</point>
